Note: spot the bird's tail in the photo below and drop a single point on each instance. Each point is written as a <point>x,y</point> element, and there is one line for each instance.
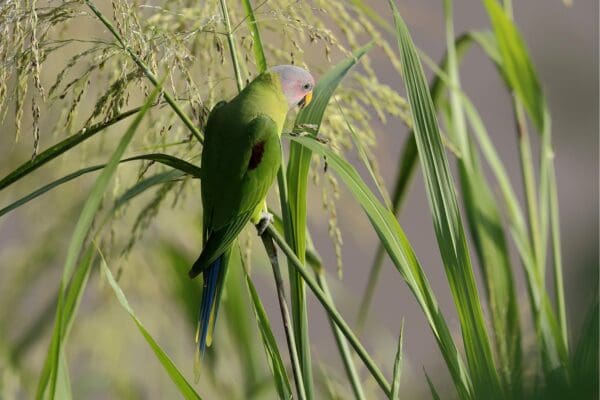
<point>213,277</point>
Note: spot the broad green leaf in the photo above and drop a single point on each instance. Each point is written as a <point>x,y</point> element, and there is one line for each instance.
<point>295,217</point>
<point>80,233</point>
<point>516,64</point>
<point>402,255</point>
<point>448,226</point>
<point>165,159</point>
<point>185,388</point>
<point>276,364</point>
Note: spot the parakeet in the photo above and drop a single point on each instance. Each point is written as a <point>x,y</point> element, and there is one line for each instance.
<point>240,159</point>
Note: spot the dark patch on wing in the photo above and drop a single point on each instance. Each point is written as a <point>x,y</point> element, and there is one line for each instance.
<point>257,154</point>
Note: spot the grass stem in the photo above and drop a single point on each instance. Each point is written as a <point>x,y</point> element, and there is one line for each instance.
<point>341,341</point>
<point>151,77</point>
<point>285,314</point>
<point>232,47</point>
<point>331,310</point>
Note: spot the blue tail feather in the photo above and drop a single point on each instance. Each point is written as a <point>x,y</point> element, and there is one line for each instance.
<point>209,297</point>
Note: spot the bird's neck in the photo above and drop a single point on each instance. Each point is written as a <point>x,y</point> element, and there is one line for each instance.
<point>266,88</point>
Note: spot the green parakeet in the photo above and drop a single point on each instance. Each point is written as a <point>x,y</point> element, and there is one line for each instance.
<point>240,159</point>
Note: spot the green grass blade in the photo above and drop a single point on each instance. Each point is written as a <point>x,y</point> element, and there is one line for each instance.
<point>447,220</point>
<point>398,366</point>
<point>402,255</point>
<point>341,342</point>
<point>404,173</point>
<point>487,231</point>
<point>185,388</point>
<point>165,159</point>
<point>80,233</point>
<point>542,315</point>
<point>434,393</point>
<point>520,76</point>
<point>297,181</point>
<point>282,382</point>
<point>314,260</point>
<point>60,148</point>
<point>63,386</point>
<point>72,299</point>
<point>238,313</point>
<point>516,64</point>
<point>307,277</point>
<point>362,154</point>
<point>257,46</point>
<point>585,357</point>
<point>143,185</point>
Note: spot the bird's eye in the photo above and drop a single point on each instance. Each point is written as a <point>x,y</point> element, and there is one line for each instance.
<point>306,86</point>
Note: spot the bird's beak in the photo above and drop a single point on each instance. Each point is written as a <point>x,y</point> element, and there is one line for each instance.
<point>305,100</point>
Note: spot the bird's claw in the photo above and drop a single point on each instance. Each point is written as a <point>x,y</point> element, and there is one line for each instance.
<point>266,218</point>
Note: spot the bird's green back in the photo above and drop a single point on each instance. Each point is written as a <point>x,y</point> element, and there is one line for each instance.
<point>229,189</point>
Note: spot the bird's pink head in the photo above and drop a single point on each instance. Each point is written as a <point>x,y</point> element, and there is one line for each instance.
<point>297,84</point>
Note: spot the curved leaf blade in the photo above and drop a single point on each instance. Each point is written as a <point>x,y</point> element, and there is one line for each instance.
<point>447,221</point>
<point>402,255</point>
<point>185,388</point>
<point>165,159</point>
<point>77,240</point>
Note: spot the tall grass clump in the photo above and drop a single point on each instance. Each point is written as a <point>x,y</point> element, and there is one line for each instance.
<point>124,88</point>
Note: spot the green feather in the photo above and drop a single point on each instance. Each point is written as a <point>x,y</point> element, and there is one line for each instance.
<point>241,156</point>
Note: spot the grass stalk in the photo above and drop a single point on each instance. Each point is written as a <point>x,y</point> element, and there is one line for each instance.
<point>146,70</point>
<point>340,340</point>
<point>285,315</point>
<point>529,186</point>
<point>232,46</point>
<point>297,265</point>
<point>559,289</point>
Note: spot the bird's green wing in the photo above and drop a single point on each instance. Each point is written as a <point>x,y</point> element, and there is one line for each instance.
<point>236,179</point>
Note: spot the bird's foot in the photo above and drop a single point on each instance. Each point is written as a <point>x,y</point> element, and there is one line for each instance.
<point>266,218</point>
